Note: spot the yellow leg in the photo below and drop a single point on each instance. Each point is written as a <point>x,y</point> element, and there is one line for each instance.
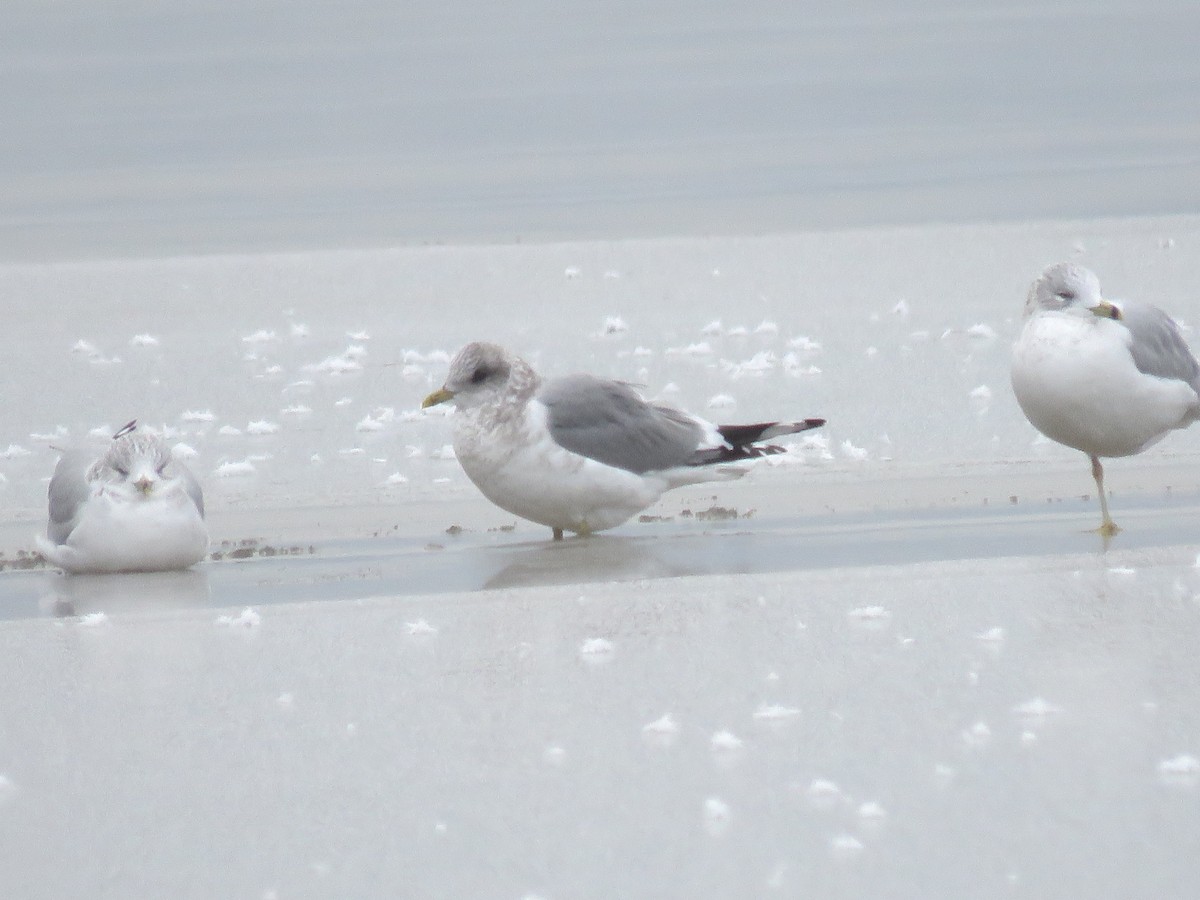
<point>1107,527</point>
<point>558,534</point>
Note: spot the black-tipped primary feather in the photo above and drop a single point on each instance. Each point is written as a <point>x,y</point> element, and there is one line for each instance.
<point>743,441</point>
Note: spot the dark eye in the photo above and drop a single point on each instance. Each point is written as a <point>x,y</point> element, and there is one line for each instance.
<point>161,468</point>
<point>1067,294</point>
<point>480,375</point>
<point>122,471</point>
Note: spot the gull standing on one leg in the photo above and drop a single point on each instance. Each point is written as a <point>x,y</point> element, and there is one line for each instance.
<point>133,509</point>
<point>581,453</point>
<point>1107,378</point>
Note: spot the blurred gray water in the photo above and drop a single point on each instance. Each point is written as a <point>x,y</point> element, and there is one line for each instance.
<point>138,128</point>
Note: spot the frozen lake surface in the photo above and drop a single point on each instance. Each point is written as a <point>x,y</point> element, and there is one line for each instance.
<point>905,665</point>
<point>891,662</point>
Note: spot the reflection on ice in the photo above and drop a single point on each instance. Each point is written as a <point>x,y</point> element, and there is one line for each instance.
<point>582,560</point>
<point>82,595</point>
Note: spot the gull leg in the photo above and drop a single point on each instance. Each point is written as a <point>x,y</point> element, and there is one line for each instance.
<point>558,534</point>
<point>1108,527</point>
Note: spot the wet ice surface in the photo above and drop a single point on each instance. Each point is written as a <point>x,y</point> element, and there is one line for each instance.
<point>718,736</point>
<point>893,659</point>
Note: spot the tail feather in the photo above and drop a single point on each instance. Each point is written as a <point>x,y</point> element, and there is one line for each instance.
<point>742,441</point>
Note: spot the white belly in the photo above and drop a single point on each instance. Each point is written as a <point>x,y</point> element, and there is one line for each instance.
<point>540,481</point>
<point>1076,382</point>
<point>150,534</point>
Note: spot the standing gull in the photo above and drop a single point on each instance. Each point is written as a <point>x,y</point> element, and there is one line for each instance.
<point>1106,378</point>
<point>581,453</point>
<point>133,509</point>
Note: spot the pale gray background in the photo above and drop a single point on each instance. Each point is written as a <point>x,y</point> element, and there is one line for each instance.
<point>139,128</point>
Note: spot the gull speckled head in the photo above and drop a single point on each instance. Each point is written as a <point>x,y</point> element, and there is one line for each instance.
<point>1066,285</point>
<point>477,371</point>
<point>137,459</point>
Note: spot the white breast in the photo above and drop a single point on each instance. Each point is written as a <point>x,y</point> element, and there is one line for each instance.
<point>1075,380</point>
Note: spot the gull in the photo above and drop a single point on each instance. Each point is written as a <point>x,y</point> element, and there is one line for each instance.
<point>1108,378</point>
<point>581,453</point>
<point>133,509</point>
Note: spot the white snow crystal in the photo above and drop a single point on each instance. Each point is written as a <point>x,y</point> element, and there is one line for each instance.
<point>183,451</point>
<point>766,327</point>
<point>261,426</point>
<point>700,349</point>
<point>614,325</point>
<point>870,614</point>
<point>981,399</point>
<point>229,431</point>
<point>15,451</point>
<point>845,846</point>
<point>871,811</point>
<point>850,451</point>
<point>981,331</point>
<point>716,816</point>
<point>774,712</point>
<point>596,647</point>
<point>358,335</point>
<point>726,741</point>
<point>712,329</point>
<point>901,309</point>
<point>299,330</point>
<point>60,432</point>
<point>1036,709</point>
<point>978,735</point>
<point>1121,570</point>
<point>823,793</point>
<point>247,619</point>
<point>793,366</point>
<point>86,348</point>
<point>262,336</point>
<point>197,415</point>
<point>421,628</point>
<point>444,452</point>
<point>296,409</point>
<point>233,469</point>
<point>804,344</point>
<point>369,423</point>
<point>343,364</point>
<point>572,272</point>
<point>144,340</point>
<point>1180,771</point>
<point>395,478</point>
<point>721,401</point>
<point>93,620</point>
<point>992,635</point>
<point>663,726</point>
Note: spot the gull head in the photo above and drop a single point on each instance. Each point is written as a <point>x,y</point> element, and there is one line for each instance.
<point>1066,286</point>
<point>138,460</point>
<point>479,371</point>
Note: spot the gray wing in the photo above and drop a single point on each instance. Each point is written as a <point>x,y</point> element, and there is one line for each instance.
<point>1157,347</point>
<point>190,484</point>
<point>69,488</point>
<point>608,422</point>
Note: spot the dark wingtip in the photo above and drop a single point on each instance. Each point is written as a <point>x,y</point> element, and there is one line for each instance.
<point>125,429</point>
